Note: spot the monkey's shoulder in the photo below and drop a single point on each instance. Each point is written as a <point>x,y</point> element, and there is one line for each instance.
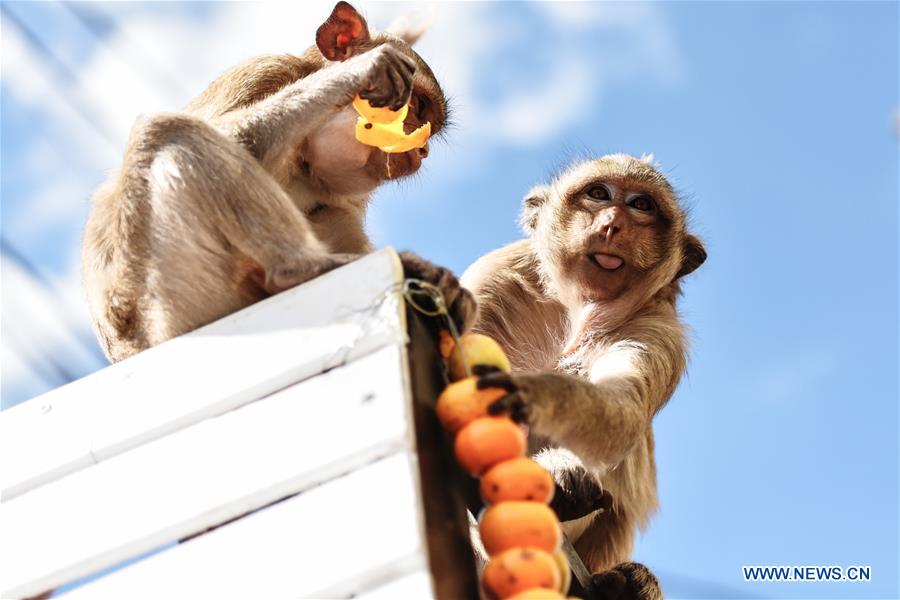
<point>512,268</point>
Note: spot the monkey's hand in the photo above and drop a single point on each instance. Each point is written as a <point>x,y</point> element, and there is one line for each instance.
<point>627,581</point>
<point>516,403</point>
<point>460,301</point>
<point>389,79</point>
<point>578,493</point>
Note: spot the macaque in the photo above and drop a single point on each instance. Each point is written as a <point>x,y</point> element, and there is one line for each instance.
<point>257,186</point>
<point>585,309</point>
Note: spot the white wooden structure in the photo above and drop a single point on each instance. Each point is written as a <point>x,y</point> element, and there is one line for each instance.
<point>279,440</point>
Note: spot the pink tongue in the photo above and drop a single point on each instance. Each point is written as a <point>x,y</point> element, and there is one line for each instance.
<point>608,261</point>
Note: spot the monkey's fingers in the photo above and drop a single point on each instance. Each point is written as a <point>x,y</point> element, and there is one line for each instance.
<point>378,93</point>
<point>570,504</point>
<point>512,404</point>
<point>496,379</point>
<point>401,78</point>
<point>604,501</point>
<point>610,585</point>
<point>627,581</point>
<point>391,83</point>
<point>482,370</point>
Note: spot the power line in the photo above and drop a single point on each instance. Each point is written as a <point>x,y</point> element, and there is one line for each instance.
<point>13,253</point>
<point>98,23</point>
<point>62,71</point>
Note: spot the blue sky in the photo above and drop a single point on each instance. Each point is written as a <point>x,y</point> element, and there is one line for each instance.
<point>776,121</point>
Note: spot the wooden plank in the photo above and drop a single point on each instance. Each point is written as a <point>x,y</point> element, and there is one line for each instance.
<point>442,483</point>
<point>204,475</point>
<point>333,319</point>
<point>358,524</point>
<point>416,585</point>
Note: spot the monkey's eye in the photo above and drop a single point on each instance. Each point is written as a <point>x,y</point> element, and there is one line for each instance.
<point>599,192</point>
<point>642,203</point>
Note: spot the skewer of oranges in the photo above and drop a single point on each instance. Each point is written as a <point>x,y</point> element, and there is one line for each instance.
<point>520,532</point>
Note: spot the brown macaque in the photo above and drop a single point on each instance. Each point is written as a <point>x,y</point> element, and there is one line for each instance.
<point>257,186</point>
<point>585,310</point>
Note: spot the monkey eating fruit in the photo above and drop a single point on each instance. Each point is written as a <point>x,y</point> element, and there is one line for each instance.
<point>257,186</point>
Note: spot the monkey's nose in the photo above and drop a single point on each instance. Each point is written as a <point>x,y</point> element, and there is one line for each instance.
<point>608,230</point>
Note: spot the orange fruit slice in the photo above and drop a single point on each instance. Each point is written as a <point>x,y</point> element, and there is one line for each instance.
<point>461,403</point>
<point>515,523</point>
<point>487,441</point>
<point>478,350</point>
<point>516,479</point>
<point>520,569</point>
<point>383,115</point>
<point>383,128</point>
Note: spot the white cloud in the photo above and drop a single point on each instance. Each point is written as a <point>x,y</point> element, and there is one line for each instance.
<point>650,48</point>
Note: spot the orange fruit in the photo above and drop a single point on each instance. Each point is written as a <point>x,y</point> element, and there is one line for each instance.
<point>462,402</point>
<point>537,594</point>
<point>447,343</point>
<point>520,569</point>
<point>565,571</point>
<point>487,441</point>
<point>478,350</point>
<point>517,479</point>
<point>516,523</point>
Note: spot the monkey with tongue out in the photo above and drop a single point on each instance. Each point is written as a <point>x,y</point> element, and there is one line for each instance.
<point>585,309</point>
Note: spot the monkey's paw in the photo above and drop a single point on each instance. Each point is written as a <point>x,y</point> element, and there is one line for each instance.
<point>390,78</point>
<point>577,493</point>
<point>627,581</point>
<point>515,403</point>
<point>460,301</point>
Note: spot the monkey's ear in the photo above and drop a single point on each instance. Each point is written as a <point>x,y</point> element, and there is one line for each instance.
<point>531,207</point>
<point>343,32</point>
<point>694,255</point>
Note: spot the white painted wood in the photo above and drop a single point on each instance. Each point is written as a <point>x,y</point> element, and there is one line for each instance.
<point>333,319</point>
<point>329,535</point>
<point>414,586</point>
<point>206,474</point>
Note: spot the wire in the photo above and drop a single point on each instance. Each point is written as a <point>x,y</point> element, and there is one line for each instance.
<point>98,23</point>
<point>63,72</point>
<point>17,256</point>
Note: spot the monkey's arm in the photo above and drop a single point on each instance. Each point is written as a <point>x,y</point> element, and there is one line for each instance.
<point>272,128</point>
<point>601,418</point>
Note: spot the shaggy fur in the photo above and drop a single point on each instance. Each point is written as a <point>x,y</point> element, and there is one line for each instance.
<point>257,186</point>
<point>595,353</point>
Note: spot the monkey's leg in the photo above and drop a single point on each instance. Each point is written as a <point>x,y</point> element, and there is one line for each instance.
<point>605,547</point>
<point>217,224</point>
